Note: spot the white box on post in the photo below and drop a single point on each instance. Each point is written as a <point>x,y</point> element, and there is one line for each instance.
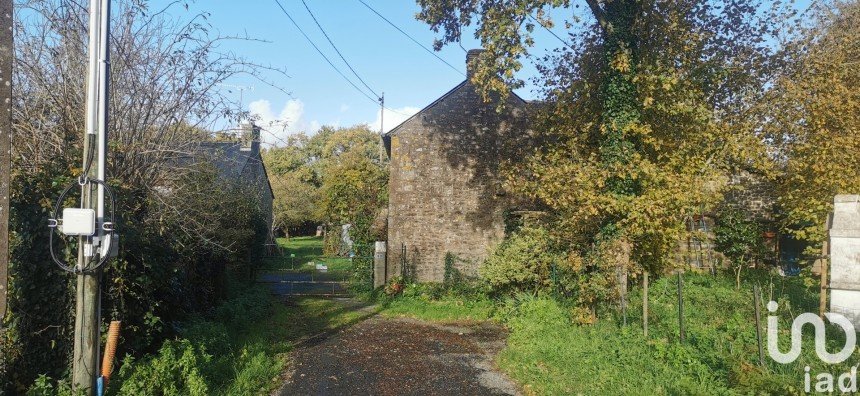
<point>79,222</point>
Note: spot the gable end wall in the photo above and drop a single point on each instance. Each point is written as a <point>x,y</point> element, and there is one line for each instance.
<point>445,192</point>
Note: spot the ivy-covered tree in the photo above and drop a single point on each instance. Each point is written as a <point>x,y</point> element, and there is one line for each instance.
<point>645,111</point>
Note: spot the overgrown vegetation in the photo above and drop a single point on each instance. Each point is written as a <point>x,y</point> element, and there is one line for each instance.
<point>186,233</point>
<point>551,350</point>
<point>740,239</point>
<point>652,107</point>
<point>240,348</point>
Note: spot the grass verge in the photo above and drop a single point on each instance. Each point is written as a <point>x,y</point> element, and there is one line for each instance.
<point>550,352</point>
<point>241,349</point>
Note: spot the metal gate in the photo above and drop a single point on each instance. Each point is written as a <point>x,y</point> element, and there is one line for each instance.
<point>303,273</point>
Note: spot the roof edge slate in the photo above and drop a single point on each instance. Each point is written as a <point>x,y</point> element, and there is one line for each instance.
<point>434,103</point>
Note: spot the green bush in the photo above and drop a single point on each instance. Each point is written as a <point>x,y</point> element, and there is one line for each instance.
<point>179,368</point>
<point>45,386</point>
<point>249,305</point>
<point>739,238</point>
<point>215,355</point>
<point>525,261</point>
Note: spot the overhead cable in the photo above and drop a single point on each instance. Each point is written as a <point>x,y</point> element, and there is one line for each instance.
<point>322,54</point>
<point>411,38</point>
<point>337,50</point>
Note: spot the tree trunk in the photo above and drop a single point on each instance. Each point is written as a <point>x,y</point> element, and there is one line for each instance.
<point>620,111</point>
<point>621,107</point>
<point>738,277</point>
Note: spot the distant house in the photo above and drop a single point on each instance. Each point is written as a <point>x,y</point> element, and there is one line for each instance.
<point>445,191</point>
<point>242,162</point>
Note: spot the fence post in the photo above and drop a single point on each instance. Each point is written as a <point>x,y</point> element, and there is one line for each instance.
<point>757,302</point>
<point>681,333</point>
<point>622,290</point>
<point>379,270</point>
<point>645,305</point>
<point>825,261</point>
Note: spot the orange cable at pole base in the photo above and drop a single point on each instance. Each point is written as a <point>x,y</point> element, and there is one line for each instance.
<point>110,350</point>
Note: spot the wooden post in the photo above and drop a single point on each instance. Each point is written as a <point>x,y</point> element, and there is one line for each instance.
<point>825,264</point>
<point>645,305</point>
<point>622,291</point>
<point>87,341</point>
<point>757,302</point>
<point>6,60</point>
<point>682,334</point>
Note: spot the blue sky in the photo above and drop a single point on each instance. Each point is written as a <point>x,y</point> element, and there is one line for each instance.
<point>386,59</point>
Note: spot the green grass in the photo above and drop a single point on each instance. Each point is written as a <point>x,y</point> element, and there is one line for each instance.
<point>308,252</point>
<point>447,310</point>
<point>548,353</point>
<point>242,349</point>
<point>438,303</point>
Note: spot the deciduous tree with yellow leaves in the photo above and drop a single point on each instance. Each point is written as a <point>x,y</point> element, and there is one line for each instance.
<point>812,118</point>
<point>645,112</point>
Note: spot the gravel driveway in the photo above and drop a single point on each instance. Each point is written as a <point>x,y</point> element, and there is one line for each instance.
<point>401,357</point>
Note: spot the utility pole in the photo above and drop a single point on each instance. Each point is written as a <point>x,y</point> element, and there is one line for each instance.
<point>6,59</point>
<point>85,358</point>
<point>381,128</point>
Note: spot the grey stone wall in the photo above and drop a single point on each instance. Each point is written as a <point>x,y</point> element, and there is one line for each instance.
<point>445,191</point>
<point>753,195</point>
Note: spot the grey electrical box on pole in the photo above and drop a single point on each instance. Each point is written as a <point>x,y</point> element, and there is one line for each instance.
<point>6,59</point>
<point>85,360</point>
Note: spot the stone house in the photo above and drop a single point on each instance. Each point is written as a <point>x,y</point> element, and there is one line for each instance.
<point>445,191</point>
<point>241,161</point>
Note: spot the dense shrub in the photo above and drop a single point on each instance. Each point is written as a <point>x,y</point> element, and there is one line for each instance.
<point>525,261</point>
<point>37,335</point>
<point>739,238</point>
<point>161,276</point>
<point>207,355</point>
<point>177,370</point>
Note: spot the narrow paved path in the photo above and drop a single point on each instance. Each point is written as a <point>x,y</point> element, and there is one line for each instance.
<point>400,357</point>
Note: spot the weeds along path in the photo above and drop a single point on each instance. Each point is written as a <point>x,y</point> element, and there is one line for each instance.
<point>383,356</point>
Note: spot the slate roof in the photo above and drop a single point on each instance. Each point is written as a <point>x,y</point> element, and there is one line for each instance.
<point>386,137</point>
<point>231,160</point>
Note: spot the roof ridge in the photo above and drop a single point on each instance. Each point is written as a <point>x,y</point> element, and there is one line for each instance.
<point>435,102</point>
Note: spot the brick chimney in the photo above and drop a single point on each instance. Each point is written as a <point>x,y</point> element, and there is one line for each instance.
<point>471,58</point>
<point>250,137</point>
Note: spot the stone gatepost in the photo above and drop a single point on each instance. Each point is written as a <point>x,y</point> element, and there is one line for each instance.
<point>379,264</point>
<point>845,258</point>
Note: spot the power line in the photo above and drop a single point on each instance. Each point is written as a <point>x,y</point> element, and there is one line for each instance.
<point>330,62</point>
<point>322,54</point>
<point>411,38</point>
<point>336,50</point>
<point>551,32</point>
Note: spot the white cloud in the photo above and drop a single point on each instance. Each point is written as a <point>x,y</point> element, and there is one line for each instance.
<point>393,117</point>
<point>277,127</point>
